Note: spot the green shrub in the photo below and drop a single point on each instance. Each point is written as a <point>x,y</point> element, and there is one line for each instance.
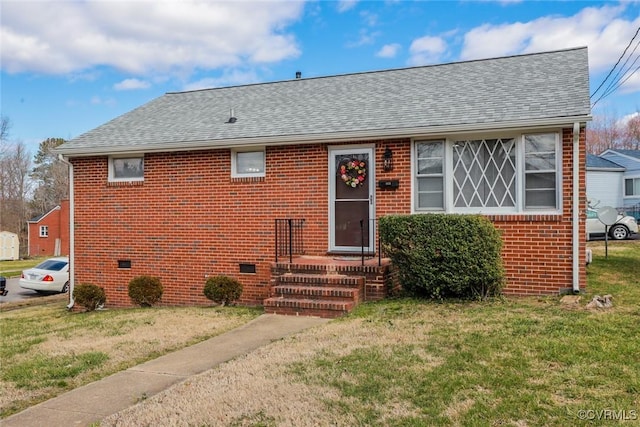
<point>440,256</point>
<point>222,289</point>
<point>89,296</point>
<point>145,290</point>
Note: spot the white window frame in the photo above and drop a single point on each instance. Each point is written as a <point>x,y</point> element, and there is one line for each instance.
<point>520,181</point>
<point>557,171</point>
<point>113,178</point>
<point>234,162</point>
<point>416,176</point>
<point>44,231</point>
<point>624,187</point>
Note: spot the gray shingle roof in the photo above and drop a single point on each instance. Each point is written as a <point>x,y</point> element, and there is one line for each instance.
<point>595,162</point>
<point>630,153</point>
<point>480,94</point>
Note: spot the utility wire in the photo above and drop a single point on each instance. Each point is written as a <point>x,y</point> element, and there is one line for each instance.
<point>619,79</point>
<point>614,67</point>
<point>622,70</point>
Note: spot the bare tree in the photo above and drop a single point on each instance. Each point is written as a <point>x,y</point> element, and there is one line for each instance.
<point>15,164</point>
<point>50,176</point>
<point>631,134</point>
<point>603,132</point>
<point>5,125</point>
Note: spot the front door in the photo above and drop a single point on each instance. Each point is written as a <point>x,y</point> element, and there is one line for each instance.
<point>351,199</point>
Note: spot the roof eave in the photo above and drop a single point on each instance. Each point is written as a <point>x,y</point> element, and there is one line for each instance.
<point>373,134</point>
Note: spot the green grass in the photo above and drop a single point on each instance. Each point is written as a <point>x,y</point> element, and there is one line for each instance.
<point>46,350</point>
<point>14,268</point>
<point>520,361</point>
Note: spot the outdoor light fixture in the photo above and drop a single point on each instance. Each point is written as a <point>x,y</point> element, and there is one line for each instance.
<point>387,162</point>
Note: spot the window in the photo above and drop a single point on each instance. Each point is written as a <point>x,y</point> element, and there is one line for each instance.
<point>44,231</point>
<point>248,163</point>
<point>540,181</point>
<point>489,175</point>
<point>430,175</point>
<point>126,168</point>
<point>484,173</point>
<point>632,187</point>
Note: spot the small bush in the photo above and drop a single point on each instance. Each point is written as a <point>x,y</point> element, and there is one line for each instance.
<point>89,296</point>
<point>145,290</point>
<point>440,256</point>
<point>222,289</point>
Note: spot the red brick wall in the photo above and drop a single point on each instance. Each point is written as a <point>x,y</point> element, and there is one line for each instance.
<point>189,219</point>
<point>58,222</point>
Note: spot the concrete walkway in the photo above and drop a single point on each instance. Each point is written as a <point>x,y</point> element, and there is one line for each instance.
<point>92,402</point>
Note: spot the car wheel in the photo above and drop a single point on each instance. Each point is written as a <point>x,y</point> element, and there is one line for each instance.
<point>65,288</point>
<point>619,232</point>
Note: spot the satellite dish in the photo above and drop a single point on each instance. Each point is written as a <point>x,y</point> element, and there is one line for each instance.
<point>607,215</point>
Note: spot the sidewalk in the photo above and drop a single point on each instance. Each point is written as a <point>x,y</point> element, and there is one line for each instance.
<point>92,402</point>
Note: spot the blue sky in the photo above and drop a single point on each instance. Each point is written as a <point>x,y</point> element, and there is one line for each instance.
<point>68,66</point>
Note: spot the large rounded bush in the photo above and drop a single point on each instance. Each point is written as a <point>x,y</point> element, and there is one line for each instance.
<point>89,296</point>
<point>222,289</point>
<point>440,255</point>
<point>145,290</point>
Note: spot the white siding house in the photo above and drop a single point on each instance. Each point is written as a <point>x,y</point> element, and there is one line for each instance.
<point>605,183</point>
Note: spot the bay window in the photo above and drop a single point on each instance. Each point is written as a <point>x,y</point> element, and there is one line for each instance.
<point>488,175</point>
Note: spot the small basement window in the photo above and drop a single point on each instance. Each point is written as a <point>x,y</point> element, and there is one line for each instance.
<point>126,168</point>
<point>124,263</point>
<point>247,268</point>
<point>248,163</point>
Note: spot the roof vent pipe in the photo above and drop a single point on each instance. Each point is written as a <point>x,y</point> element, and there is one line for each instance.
<point>298,74</point>
<point>232,117</point>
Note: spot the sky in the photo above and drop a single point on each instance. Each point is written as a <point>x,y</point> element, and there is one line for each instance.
<point>68,66</point>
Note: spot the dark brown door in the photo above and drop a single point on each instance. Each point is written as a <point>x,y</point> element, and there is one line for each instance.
<point>351,199</point>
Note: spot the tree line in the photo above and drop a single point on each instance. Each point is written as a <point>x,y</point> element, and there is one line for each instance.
<point>607,131</point>
<point>28,188</point>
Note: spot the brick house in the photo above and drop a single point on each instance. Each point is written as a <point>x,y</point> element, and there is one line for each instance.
<point>48,234</point>
<point>192,184</point>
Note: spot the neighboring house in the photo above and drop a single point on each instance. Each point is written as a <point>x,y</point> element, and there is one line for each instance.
<point>48,234</point>
<point>630,161</point>
<point>605,182</point>
<point>192,184</point>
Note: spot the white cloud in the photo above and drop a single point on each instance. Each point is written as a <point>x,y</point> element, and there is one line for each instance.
<point>427,50</point>
<point>366,37</point>
<point>602,29</point>
<point>144,37</point>
<point>345,5</point>
<point>229,78</point>
<point>97,100</point>
<point>132,84</point>
<point>389,51</point>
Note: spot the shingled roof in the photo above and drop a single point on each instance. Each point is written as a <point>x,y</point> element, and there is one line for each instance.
<point>516,91</point>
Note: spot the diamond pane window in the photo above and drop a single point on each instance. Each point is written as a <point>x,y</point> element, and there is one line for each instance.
<point>484,173</point>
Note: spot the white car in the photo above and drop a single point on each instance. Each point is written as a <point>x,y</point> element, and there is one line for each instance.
<point>624,226</point>
<point>51,275</point>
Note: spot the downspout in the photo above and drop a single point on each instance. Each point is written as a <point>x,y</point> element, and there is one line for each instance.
<point>576,208</point>
<point>72,261</point>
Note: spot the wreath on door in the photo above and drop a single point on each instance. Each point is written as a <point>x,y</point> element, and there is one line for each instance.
<point>353,172</point>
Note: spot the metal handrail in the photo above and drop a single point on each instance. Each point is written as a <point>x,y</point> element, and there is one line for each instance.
<point>362,240</point>
<point>289,237</point>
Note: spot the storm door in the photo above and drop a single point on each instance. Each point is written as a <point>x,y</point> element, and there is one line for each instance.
<point>351,199</point>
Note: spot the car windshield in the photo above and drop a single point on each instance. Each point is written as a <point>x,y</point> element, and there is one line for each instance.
<point>52,265</point>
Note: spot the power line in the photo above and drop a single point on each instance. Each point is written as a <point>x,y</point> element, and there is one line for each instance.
<point>614,67</point>
<point>621,76</point>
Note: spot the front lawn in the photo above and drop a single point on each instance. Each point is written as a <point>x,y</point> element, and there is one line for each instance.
<point>515,362</point>
<point>45,350</point>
